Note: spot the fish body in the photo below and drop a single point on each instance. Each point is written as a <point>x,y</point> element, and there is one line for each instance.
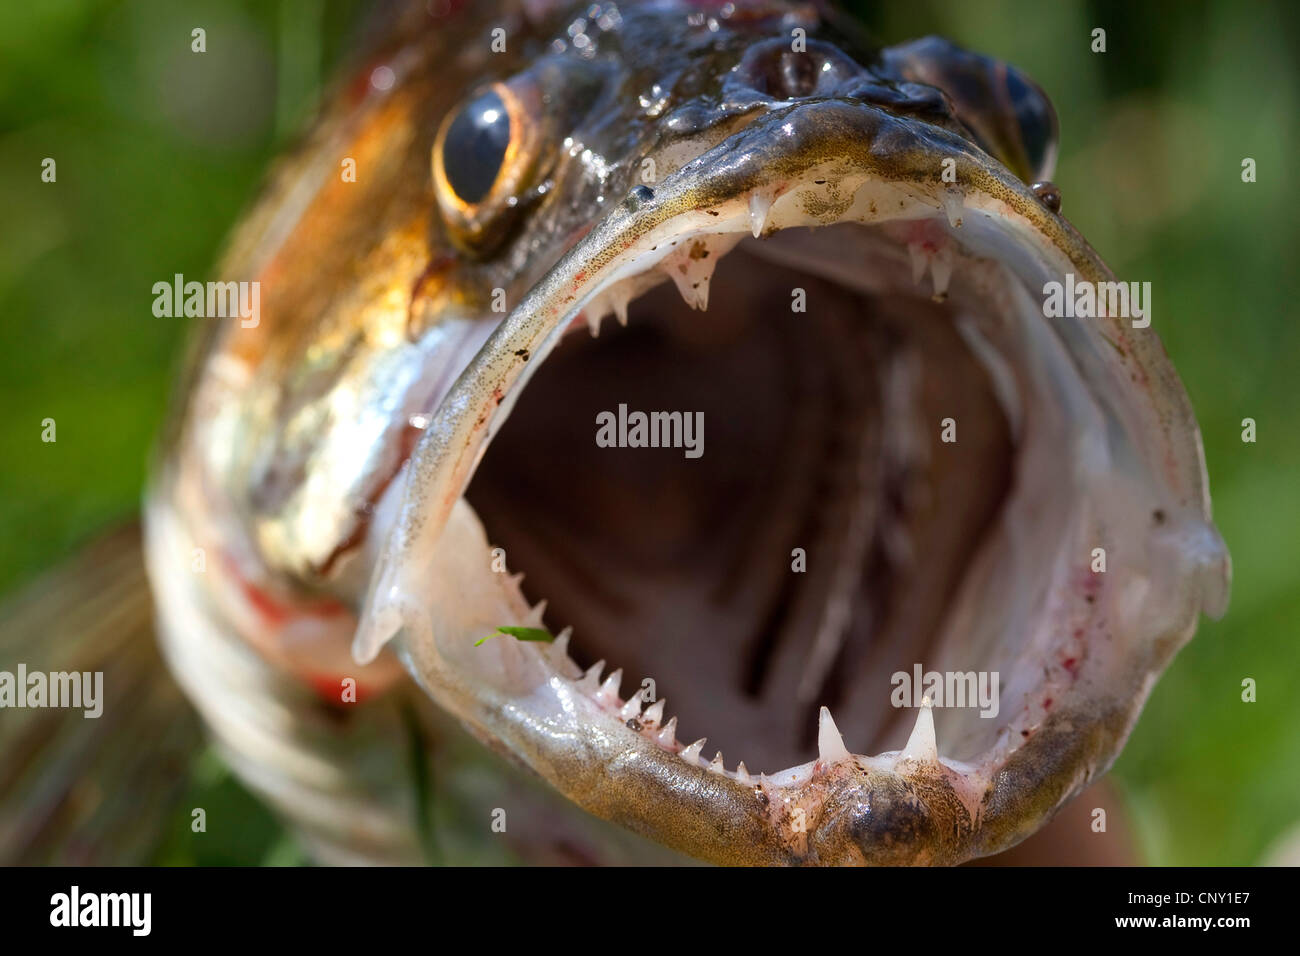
<point>835,255</point>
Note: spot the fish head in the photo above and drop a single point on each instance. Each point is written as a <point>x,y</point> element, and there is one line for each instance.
<point>934,499</point>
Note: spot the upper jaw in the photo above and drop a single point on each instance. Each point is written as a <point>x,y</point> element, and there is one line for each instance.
<point>1136,454</point>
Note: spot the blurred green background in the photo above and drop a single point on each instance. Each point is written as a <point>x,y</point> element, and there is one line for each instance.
<point>159,150</point>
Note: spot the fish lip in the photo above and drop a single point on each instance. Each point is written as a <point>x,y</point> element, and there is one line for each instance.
<point>864,811</point>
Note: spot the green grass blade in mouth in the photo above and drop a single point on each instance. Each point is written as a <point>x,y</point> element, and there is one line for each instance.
<point>536,635</point>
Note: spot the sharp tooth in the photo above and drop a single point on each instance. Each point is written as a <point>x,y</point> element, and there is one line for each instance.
<point>683,284</point>
<point>952,207</point>
<point>692,753</point>
<point>654,713</point>
<point>620,305</point>
<point>608,692</point>
<point>593,321</point>
<point>922,745</point>
<point>919,260</point>
<point>830,745</point>
<point>941,271</point>
<point>632,708</point>
<point>691,271</point>
<point>591,679</point>
<point>759,205</point>
<point>742,774</point>
<point>716,764</point>
<point>668,736</point>
<point>534,618</point>
<point>561,643</point>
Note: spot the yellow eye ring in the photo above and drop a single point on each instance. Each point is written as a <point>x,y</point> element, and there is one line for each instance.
<point>484,155</point>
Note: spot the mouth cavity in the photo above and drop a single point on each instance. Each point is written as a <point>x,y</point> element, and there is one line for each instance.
<point>886,483</point>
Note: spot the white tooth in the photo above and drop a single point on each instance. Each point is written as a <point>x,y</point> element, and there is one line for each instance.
<point>922,745</point>
<point>830,745</point>
<point>668,736</point>
<point>654,713</point>
<point>919,261</point>
<point>561,643</point>
<point>632,708</point>
<point>515,579</point>
<point>952,207</point>
<point>534,618</point>
<point>608,692</point>
<point>683,284</point>
<point>742,774</point>
<point>593,321</point>
<point>693,273</point>
<point>620,305</point>
<point>758,209</point>
<point>941,271</point>
<point>692,753</point>
<point>591,679</point>
<point>716,764</point>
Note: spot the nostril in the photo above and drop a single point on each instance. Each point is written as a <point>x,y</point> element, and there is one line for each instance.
<point>783,71</point>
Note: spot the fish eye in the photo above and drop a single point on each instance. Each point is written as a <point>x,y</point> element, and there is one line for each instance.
<point>487,153</point>
<point>475,145</point>
<point>1008,113</point>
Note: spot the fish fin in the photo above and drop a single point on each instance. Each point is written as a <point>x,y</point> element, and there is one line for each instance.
<point>81,790</point>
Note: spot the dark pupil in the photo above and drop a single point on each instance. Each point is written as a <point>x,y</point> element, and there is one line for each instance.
<point>475,146</point>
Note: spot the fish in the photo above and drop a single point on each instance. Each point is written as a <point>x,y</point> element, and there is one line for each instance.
<point>885,481</point>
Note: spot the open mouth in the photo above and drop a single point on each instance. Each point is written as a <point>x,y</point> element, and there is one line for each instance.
<point>806,545</point>
<point>885,486</point>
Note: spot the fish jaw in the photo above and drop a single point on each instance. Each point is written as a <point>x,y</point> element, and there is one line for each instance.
<point>1134,464</point>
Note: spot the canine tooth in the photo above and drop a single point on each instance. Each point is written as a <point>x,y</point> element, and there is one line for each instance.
<point>620,307</point>
<point>683,284</point>
<point>591,678</point>
<point>593,321</point>
<point>742,774</point>
<point>716,764</point>
<point>758,209</point>
<point>668,736</point>
<point>692,753</point>
<point>952,207</point>
<point>632,708</point>
<point>919,261</point>
<point>654,713</point>
<point>608,692</point>
<point>830,744</point>
<point>561,643</point>
<point>941,271</point>
<point>922,745</point>
<point>691,271</point>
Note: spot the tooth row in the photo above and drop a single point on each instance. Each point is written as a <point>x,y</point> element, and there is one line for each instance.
<point>921,748</point>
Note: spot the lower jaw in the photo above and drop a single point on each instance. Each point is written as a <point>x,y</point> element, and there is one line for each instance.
<point>1075,649</point>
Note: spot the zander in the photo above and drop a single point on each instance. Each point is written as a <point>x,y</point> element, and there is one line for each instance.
<point>825,250</point>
